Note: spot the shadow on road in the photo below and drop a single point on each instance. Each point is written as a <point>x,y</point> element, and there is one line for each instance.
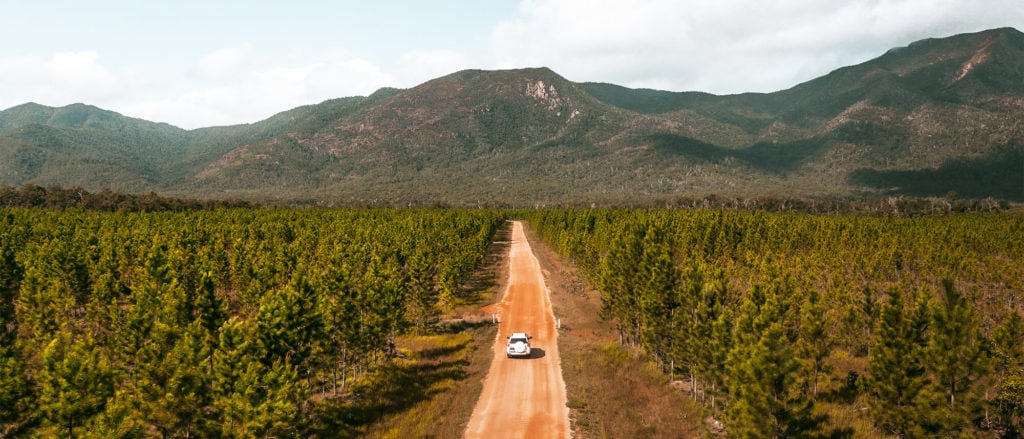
<point>534,353</point>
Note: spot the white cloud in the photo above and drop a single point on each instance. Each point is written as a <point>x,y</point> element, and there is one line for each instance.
<point>241,87</point>
<point>417,67</point>
<point>224,64</point>
<point>60,79</point>
<point>726,46</point>
<point>720,46</point>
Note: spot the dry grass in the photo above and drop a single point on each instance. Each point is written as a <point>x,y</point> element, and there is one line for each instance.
<point>612,391</point>
<point>430,391</point>
<point>447,375</point>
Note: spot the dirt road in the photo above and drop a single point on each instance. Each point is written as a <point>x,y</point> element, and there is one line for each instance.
<point>523,397</point>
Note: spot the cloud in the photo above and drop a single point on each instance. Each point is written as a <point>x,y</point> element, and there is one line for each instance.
<point>418,67</point>
<point>224,64</point>
<point>722,46</point>
<point>60,79</point>
<point>240,85</point>
<point>726,46</point>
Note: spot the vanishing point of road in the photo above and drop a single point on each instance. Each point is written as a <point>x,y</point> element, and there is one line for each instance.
<point>523,398</point>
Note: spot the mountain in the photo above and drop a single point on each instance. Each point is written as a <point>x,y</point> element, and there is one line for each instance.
<point>940,117</point>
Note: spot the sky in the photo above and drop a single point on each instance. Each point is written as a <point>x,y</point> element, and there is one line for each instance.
<point>199,63</point>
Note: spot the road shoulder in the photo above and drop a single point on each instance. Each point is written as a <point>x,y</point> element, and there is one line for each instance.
<point>606,383</point>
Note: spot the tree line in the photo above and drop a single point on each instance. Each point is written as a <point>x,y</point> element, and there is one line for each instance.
<point>214,323</point>
<point>106,200</point>
<point>791,325</point>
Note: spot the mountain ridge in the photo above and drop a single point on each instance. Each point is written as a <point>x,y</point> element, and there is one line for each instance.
<point>938,117</point>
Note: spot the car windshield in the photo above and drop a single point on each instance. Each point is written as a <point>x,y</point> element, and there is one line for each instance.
<point>517,340</point>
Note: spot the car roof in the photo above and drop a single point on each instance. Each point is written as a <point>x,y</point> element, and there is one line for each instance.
<point>518,335</point>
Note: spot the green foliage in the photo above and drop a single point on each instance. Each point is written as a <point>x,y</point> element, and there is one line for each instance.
<point>75,381</point>
<point>645,100</point>
<point>288,325</point>
<point>764,370</point>
<point>815,341</point>
<point>263,401</point>
<point>1008,355</point>
<point>775,320</point>
<point>14,399</point>
<point>171,383</point>
<point>619,281</point>
<point>956,357</point>
<point>56,197</point>
<point>897,369</point>
<point>1010,402</point>
<point>212,323</point>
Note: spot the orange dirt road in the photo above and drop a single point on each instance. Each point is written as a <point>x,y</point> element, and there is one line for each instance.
<point>523,398</point>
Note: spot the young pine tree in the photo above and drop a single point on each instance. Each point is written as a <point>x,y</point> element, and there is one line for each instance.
<point>764,371</point>
<point>1008,350</point>
<point>815,342</point>
<point>896,373</point>
<point>74,383</point>
<point>956,361</point>
<point>658,295</point>
<point>618,278</point>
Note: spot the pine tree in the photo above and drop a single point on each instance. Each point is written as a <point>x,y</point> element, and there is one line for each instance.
<point>45,297</point>
<point>955,358</point>
<point>764,370</point>
<point>421,306</point>
<point>719,346</point>
<point>382,290</point>
<point>289,328</point>
<point>340,312</point>
<point>658,294</point>
<point>288,323</point>
<point>236,348</point>
<point>211,312</point>
<point>1011,404</point>
<point>815,342</point>
<point>618,280</point>
<point>1008,353</point>
<point>14,385</point>
<point>693,325</point>
<point>75,382</point>
<point>173,383</point>
<point>119,419</point>
<point>263,401</point>
<point>897,376</point>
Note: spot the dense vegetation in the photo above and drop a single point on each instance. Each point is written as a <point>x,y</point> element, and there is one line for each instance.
<point>789,325</point>
<point>56,197</point>
<point>231,322</point>
<point>214,323</point>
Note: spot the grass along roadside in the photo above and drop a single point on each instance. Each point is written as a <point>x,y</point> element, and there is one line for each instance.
<point>434,388</point>
<point>612,391</point>
<point>431,388</point>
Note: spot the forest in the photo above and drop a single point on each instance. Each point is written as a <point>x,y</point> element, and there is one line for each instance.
<point>793,325</point>
<point>106,200</point>
<point>227,322</point>
<point>217,322</point>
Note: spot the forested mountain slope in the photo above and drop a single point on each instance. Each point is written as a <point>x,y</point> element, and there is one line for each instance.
<point>939,117</point>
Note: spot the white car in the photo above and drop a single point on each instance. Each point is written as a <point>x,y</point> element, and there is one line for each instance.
<point>518,345</point>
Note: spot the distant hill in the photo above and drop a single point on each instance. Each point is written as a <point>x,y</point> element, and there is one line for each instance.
<point>940,117</point>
